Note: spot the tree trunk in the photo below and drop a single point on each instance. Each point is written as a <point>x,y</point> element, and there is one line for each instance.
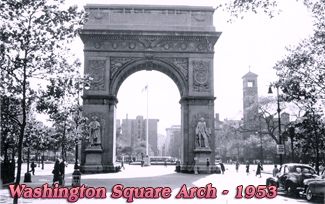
<point>22,126</point>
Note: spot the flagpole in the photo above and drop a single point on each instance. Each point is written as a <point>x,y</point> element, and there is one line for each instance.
<point>147,133</point>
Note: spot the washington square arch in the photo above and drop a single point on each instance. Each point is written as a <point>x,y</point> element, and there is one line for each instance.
<point>178,41</point>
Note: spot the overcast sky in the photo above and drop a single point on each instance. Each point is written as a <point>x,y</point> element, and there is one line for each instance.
<point>256,42</point>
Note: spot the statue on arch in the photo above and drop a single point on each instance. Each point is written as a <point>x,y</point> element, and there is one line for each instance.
<point>202,134</point>
<point>94,132</point>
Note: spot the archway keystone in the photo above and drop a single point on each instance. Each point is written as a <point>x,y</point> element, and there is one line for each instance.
<point>178,41</point>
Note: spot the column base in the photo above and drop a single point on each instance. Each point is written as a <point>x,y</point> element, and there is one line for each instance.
<point>146,161</point>
<point>93,162</point>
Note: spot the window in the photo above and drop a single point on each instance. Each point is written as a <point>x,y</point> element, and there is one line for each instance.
<point>250,83</point>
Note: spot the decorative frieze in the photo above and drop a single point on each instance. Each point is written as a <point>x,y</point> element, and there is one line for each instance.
<point>96,69</point>
<point>201,73</point>
<point>149,43</point>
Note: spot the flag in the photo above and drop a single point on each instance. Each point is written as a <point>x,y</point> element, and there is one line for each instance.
<point>144,88</point>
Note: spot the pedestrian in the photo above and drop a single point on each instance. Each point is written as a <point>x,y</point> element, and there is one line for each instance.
<point>237,165</point>
<point>165,163</point>
<point>208,166</point>
<point>56,172</point>
<point>259,169</point>
<point>222,167</point>
<point>275,170</point>
<point>62,171</point>
<point>247,168</point>
<point>122,164</point>
<point>32,166</point>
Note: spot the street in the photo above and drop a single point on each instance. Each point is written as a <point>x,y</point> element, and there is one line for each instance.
<point>159,176</point>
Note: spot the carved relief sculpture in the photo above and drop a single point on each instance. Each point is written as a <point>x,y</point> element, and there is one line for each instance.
<point>181,63</point>
<point>118,62</point>
<point>149,43</point>
<point>201,76</point>
<point>97,72</point>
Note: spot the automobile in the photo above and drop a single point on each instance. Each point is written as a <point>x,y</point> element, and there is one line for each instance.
<point>291,178</point>
<point>314,187</point>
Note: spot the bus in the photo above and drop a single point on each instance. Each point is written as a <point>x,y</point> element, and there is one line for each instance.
<point>162,159</point>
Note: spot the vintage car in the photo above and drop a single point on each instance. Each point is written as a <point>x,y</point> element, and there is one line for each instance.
<point>314,187</point>
<point>291,177</point>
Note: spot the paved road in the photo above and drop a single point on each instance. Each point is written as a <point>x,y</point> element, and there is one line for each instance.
<point>158,176</point>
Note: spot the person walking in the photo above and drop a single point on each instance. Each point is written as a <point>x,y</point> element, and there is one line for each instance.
<point>165,163</point>
<point>259,169</point>
<point>56,172</point>
<point>247,168</point>
<point>275,170</point>
<point>237,165</point>
<point>208,166</point>
<point>32,166</point>
<point>122,164</point>
<point>62,171</point>
<point>222,167</point>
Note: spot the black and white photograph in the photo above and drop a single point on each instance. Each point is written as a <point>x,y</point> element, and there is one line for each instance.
<point>210,101</point>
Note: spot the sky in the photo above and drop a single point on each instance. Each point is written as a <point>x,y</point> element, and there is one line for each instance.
<point>254,44</point>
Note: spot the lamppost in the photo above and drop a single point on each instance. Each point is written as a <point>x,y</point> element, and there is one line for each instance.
<point>28,177</point>
<point>279,119</point>
<point>261,144</point>
<point>76,175</point>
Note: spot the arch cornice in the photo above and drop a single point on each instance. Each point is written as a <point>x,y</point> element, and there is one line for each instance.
<point>161,65</point>
<point>135,41</point>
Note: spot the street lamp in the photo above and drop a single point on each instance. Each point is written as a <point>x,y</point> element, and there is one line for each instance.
<point>86,86</point>
<point>279,118</point>
<point>76,175</point>
<point>28,177</point>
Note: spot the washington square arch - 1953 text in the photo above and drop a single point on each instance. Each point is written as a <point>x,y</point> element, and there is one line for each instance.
<point>178,41</point>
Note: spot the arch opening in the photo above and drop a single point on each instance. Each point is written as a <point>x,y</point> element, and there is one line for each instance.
<point>164,112</point>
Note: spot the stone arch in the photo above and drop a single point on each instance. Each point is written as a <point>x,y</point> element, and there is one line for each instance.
<point>143,64</point>
<point>178,41</point>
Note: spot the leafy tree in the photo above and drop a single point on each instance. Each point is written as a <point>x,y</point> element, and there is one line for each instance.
<point>139,146</point>
<point>122,144</point>
<point>229,140</point>
<point>127,151</point>
<point>238,8</point>
<point>302,79</point>
<point>10,110</point>
<point>34,34</point>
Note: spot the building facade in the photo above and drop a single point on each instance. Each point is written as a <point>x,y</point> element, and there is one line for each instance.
<point>173,141</point>
<point>135,129</point>
<point>161,145</point>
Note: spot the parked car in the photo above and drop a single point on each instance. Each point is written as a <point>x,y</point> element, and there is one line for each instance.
<point>291,178</point>
<point>314,187</point>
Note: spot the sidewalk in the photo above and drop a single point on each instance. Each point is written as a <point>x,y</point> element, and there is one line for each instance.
<point>137,176</point>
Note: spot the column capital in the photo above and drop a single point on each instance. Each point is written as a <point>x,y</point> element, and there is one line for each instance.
<point>197,100</point>
<point>99,99</point>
